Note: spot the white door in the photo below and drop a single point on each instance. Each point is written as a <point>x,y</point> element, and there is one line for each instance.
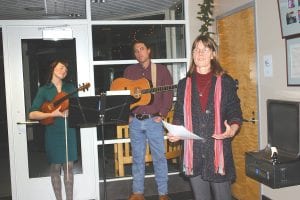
<point>30,171</point>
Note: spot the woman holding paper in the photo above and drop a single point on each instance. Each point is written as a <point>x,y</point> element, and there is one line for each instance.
<point>207,105</point>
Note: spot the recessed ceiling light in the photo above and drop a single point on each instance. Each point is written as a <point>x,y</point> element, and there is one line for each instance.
<point>98,1</point>
<point>74,15</point>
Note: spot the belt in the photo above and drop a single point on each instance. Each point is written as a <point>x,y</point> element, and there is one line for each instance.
<point>145,116</point>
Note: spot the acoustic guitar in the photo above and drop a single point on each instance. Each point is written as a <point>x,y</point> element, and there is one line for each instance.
<point>61,99</point>
<point>139,89</point>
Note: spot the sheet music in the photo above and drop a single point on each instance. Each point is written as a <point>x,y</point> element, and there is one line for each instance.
<point>181,132</point>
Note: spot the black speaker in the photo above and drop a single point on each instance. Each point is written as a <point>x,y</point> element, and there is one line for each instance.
<point>280,169</point>
<point>282,173</point>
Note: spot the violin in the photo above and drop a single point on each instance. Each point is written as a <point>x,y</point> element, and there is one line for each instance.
<point>61,99</point>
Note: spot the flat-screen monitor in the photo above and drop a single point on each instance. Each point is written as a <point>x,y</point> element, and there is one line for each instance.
<point>99,110</point>
<point>283,126</point>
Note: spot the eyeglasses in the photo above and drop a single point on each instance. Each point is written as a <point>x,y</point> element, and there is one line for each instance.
<point>203,51</point>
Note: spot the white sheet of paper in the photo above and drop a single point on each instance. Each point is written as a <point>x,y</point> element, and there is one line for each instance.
<point>117,92</point>
<point>181,132</point>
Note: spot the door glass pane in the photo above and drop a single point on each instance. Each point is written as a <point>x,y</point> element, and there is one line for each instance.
<point>37,54</point>
<point>113,42</point>
<point>116,159</point>
<point>105,74</point>
<point>137,10</point>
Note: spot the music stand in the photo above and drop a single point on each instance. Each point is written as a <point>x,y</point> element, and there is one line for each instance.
<point>89,111</point>
<point>98,111</point>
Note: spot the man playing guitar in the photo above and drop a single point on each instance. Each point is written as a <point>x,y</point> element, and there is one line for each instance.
<point>146,122</point>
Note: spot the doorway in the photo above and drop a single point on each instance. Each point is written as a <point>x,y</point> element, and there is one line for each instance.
<point>237,53</point>
<point>37,54</point>
<point>25,71</point>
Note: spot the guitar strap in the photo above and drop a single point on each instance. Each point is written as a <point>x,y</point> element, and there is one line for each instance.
<point>153,74</point>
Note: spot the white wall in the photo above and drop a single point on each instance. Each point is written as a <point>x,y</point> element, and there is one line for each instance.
<point>224,6</point>
<point>195,23</point>
<point>269,42</point>
<point>221,7</point>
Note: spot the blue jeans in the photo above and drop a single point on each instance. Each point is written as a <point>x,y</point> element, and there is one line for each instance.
<point>142,131</point>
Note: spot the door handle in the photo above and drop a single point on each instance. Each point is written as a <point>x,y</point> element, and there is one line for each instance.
<point>28,122</point>
<point>253,120</point>
<point>22,125</point>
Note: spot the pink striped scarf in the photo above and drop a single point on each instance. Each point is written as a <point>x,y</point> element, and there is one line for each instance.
<point>188,144</point>
<point>219,156</point>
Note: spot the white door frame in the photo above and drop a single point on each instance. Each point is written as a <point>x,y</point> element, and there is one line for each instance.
<point>23,188</point>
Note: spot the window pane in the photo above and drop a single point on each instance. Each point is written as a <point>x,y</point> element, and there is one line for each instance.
<point>105,74</point>
<point>58,9</point>
<point>137,10</point>
<point>114,42</point>
<point>114,153</point>
<point>117,160</point>
<point>37,55</point>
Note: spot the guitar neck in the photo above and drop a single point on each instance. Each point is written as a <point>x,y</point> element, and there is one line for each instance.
<point>159,89</point>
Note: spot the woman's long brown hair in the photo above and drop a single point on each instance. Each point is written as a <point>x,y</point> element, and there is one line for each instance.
<point>208,42</point>
<point>53,65</point>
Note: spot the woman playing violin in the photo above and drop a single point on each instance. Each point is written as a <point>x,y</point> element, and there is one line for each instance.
<point>55,144</point>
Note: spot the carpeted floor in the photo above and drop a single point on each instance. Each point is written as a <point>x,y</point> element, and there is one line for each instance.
<point>5,198</point>
<point>174,196</point>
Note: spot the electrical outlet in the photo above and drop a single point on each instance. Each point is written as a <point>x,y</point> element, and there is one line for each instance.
<point>268,66</point>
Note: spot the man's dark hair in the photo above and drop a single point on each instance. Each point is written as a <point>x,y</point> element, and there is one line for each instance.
<point>141,42</point>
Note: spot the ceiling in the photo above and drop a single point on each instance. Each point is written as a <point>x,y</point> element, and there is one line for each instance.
<point>76,9</point>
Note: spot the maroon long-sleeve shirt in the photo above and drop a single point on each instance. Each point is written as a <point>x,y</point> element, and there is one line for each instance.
<point>162,101</point>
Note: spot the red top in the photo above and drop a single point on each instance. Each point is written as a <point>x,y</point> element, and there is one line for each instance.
<point>204,86</point>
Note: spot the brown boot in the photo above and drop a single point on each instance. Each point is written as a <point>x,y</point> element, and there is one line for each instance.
<point>164,197</point>
<point>136,196</point>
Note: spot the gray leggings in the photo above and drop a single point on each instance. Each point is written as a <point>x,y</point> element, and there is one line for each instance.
<point>205,190</point>
<point>68,180</point>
